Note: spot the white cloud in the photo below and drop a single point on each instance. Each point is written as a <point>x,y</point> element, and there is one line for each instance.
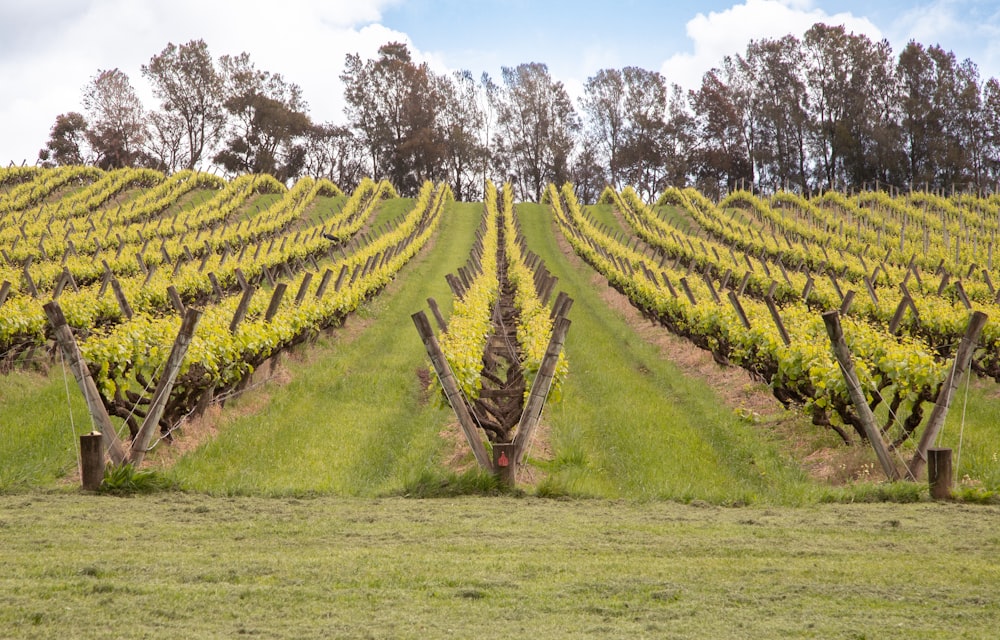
<point>728,32</point>
<point>969,29</point>
<point>45,67</point>
<point>930,24</point>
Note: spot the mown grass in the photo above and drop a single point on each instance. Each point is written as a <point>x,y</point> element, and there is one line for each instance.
<point>353,420</point>
<point>321,209</point>
<point>193,566</point>
<point>395,207</point>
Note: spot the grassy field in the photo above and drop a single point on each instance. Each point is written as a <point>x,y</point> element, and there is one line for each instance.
<point>194,566</point>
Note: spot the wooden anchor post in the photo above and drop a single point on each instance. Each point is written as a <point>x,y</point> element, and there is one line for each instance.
<point>451,390</point>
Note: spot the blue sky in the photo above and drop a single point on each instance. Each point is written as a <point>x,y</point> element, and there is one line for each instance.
<point>49,49</point>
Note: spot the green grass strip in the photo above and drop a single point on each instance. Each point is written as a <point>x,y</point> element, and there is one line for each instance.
<point>352,420</point>
<point>39,427</point>
<point>631,424</point>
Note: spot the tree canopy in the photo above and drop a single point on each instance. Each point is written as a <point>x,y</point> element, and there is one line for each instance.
<point>828,110</point>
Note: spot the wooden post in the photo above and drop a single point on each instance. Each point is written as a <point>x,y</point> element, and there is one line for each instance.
<point>241,309</point>
<point>451,390</point>
<point>668,284</point>
<point>503,463</point>
<point>963,358</point>
<point>960,290</point>
<point>561,309</point>
<point>734,299</point>
<point>91,460</point>
<point>123,304</point>
<point>807,289</point>
<point>743,283</point>
<point>897,317</point>
<point>560,300</point>
<point>175,299</point>
<point>687,291</point>
<point>939,473</point>
<point>776,316</point>
<point>436,311</point>
<point>340,277</point>
<point>840,350</point>
<point>324,282</point>
<point>303,288</point>
<point>711,289</point>
<point>164,386</point>
<point>871,290</point>
<point>456,286</point>
<point>539,390</point>
<point>4,290</point>
<point>845,304</point>
<point>242,279</point>
<point>272,307</point>
<point>64,336</point>
<point>29,282</point>
<point>986,279</point>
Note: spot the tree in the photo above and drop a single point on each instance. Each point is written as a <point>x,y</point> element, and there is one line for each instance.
<point>778,112</point>
<point>461,121</point>
<point>395,106</point>
<point>643,149</point>
<point>722,158</point>
<point>536,125</point>
<point>921,119</point>
<point>184,78</point>
<point>852,90</point>
<point>679,140</point>
<point>164,144</point>
<point>588,173</point>
<point>117,119</point>
<point>991,138</point>
<point>333,152</point>
<point>603,103</point>
<point>67,140</point>
<point>267,121</point>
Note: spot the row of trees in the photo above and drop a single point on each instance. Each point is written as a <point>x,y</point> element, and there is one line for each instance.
<point>830,110</point>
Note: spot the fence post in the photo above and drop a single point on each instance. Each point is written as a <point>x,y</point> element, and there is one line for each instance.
<point>164,386</point>
<point>451,390</point>
<point>91,460</point>
<point>64,336</point>
<point>963,358</point>
<point>832,321</point>
<point>939,473</point>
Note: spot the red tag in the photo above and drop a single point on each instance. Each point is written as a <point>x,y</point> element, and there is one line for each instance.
<point>503,461</point>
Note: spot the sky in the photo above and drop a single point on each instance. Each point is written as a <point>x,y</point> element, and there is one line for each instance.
<point>51,49</point>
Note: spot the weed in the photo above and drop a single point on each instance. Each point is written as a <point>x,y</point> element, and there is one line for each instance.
<point>435,484</point>
<point>125,479</point>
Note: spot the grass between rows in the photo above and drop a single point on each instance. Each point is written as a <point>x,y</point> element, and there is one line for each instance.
<point>632,424</point>
<point>352,419</point>
<point>194,566</point>
<point>41,419</point>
